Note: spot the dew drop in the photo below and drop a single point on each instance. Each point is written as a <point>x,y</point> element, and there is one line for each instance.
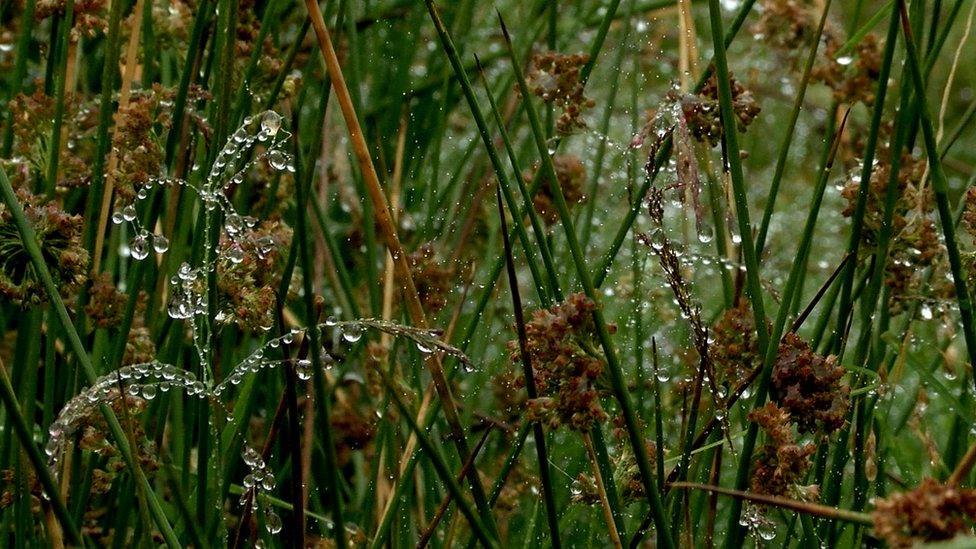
<point>277,159</point>
<point>129,213</point>
<point>926,312</point>
<point>352,333</point>
<point>235,253</point>
<point>233,224</point>
<point>270,123</point>
<point>272,522</point>
<point>265,245</point>
<point>705,235</point>
<point>160,244</point>
<point>139,247</point>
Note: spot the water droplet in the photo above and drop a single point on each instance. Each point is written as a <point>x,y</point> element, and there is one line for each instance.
<point>235,253</point>
<point>233,224</point>
<point>139,247</point>
<point>303,369</point>
<point>352,333</point>
<point>148,392</point>
<point>270,122</point>
<point>160,244</point>
<point>277,159</point>
<point>272,522</point>
<point>117,218</point>
<point>766,530</point>
<point>845,60</point>
<point>129,212</point>
<point>706,234</point>
<point>926,312</point>
<point>185,272</point>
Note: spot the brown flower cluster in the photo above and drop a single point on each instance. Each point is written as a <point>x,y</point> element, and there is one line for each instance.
<point>33,124</point>
<point>509,401</point>
<point>555,77</point>
<point>571,177</point>
<point>808,386</point>
<point>88,19</point>
<point>433,281</point>
<point>781,463</point>
<point>560,344</point>
<point>930,512</point>
<point>247,288</point>
<point>915,244</point>
<point>789,25</point>
<point>353,429</point>
<point>12,487</point>
<point>106,308</point>
<point>139,150</point>
<point>59,236</point>
<point>702,112</point>
<point>735,347</point>
<point>94,438</point>
<point>106,305</point>
<point>852,79</point>
<point>270,61</point>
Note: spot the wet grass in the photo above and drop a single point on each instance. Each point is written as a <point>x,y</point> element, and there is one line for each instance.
<point>627,273</point>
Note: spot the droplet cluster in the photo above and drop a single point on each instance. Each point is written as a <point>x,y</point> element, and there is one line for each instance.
<point>146,381</point>
<point>259,479</point>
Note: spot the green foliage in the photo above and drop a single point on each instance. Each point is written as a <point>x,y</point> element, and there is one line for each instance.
<point>739,235</point>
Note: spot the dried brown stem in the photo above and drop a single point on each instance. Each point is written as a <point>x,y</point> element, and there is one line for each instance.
<point>598,478</point>
<point>384,219</point>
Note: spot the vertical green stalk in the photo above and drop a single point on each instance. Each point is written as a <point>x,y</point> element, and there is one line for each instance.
<point>540,438</point>
<point>29,238</point>
<point>616,375</point>
<point>20,70</point>
<point>63,47</point>
<point>322,391</point>
<point>784,149</point>
<point>867,169</point>
<point>940,186</point>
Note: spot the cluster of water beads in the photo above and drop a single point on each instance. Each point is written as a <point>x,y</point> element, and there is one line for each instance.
<point>426,341</point>
<point>264,129</point>
<point>259,479</point>
<point>144,241</point>
<point>144,380</point>
<point>257,362</point>
<point>350,331</point>
<point>758,523</point>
